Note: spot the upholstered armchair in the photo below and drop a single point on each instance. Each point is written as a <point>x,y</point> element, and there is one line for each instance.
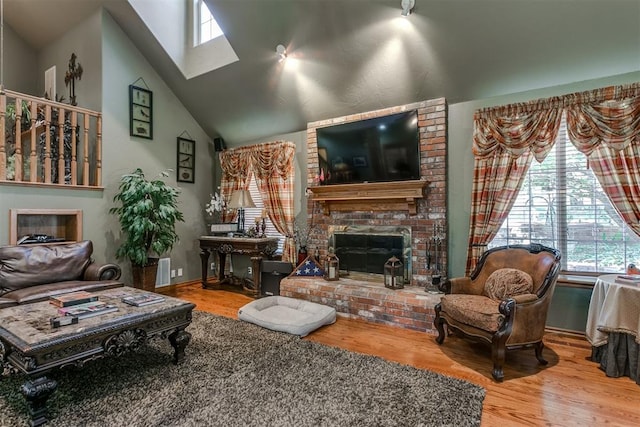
<point>504,302</point>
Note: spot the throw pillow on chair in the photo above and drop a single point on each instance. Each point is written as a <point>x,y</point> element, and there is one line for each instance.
<point>508,282</point>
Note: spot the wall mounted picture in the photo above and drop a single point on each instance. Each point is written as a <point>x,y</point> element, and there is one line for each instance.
<point>186,160</point>
<point>140,112</point>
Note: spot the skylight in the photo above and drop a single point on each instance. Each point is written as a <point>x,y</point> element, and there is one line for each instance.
<point>183,45</point>
<point>209,28</point>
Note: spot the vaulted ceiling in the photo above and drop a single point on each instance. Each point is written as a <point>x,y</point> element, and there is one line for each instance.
<point>349,56</point>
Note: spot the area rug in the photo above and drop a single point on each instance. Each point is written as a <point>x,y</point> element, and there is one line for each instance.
<point>239,374</point>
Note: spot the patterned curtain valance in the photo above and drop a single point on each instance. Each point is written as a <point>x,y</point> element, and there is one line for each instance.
<point>265,159</point>
<point>515,134</point>
<point>615,124</point>
<point>273,159</point>
<point>587,97</point>
<point>235,164</point>
<point>610,114</point>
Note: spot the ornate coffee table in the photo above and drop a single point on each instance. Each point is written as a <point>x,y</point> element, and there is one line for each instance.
<point>29,344</point>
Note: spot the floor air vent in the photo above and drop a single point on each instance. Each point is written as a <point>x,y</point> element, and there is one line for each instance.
<point>163,278</point>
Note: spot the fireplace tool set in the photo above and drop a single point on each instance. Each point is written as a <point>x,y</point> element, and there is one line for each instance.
<point>434,258</point>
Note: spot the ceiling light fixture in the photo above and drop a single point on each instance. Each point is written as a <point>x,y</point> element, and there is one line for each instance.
<point>407,7</point>
<point>281,52</point>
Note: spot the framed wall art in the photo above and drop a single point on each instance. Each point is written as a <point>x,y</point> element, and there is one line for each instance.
<point>140,112</point>
<point>186,160</point>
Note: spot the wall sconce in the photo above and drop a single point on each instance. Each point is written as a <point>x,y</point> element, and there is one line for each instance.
<point>393,273</point>
<point>241,199</point>
<point>331,266</point>
<point>281,52</point>
<point>407,7</point>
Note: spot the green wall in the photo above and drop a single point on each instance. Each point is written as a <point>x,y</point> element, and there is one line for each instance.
<point>124,64</point>
<point>85,41</point>
<point>20,71</point>
<point>111,63</point>
<point>569,308</point>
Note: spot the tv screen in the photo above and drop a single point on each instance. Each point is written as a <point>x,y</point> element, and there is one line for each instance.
<point>373,150</point>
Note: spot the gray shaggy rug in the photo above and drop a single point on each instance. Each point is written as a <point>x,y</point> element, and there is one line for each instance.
<point>238,374</point>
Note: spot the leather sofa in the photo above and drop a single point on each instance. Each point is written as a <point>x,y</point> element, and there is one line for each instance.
<point>32,273</point>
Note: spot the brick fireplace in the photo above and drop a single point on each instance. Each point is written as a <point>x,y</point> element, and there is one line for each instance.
<point>366,297</point>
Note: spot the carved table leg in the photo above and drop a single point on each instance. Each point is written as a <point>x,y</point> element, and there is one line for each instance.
<point>204,259</point>
<point>6,368</point>
<point>179,340</point>
<point>256,262</point>
<point>36,393</point>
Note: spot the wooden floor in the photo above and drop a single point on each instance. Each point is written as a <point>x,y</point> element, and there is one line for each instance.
<point>570,391</point>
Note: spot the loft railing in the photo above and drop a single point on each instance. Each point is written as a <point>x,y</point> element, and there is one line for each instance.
<point>47,143</point>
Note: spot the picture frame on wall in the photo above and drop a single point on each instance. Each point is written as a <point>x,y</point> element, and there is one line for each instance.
<point>186,160</point>
<point>140,112</point>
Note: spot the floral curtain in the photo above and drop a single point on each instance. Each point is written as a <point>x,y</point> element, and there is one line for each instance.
<point>272,163</point>
<point>505,140</point>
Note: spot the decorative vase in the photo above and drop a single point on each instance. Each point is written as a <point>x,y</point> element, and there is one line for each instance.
<point>302,254</point>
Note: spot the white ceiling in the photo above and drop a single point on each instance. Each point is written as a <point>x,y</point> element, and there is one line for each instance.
<point>353,56</point>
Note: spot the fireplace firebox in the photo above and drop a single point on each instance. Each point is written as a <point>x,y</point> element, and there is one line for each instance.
<point>366,249</point>
<point>366,252</point>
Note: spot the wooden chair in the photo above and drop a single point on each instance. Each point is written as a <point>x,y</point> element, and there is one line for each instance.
<point>504,302</point>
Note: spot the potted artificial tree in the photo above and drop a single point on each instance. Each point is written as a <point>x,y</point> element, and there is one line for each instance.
<point>148,212</point>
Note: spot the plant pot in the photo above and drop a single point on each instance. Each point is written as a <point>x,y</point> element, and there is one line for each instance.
<point>144,277</point>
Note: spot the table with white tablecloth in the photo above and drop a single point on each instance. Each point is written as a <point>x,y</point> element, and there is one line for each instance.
<point>613,326</point>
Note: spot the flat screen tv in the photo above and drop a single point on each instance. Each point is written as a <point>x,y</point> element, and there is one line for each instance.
<point>373,150</point>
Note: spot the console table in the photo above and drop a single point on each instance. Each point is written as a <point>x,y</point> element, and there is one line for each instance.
<point>613,326</point>
<point>256,248</point>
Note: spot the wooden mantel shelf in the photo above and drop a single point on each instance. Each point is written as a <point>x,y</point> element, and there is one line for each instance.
<point>372,196</point>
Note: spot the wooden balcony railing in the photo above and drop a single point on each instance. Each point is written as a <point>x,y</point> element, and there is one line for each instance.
<point>47,143</point>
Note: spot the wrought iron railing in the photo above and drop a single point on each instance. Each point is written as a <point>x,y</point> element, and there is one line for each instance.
<point>48,143</point>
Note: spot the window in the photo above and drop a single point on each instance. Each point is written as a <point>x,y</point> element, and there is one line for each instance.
<point>250,215</point>
<point>562,205</point>
<point>207,27</point>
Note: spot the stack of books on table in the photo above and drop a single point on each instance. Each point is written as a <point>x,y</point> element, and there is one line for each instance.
<point>628,279</point>
<point>89,309</point>
<point>72,298</point>
<point>141,300</point>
